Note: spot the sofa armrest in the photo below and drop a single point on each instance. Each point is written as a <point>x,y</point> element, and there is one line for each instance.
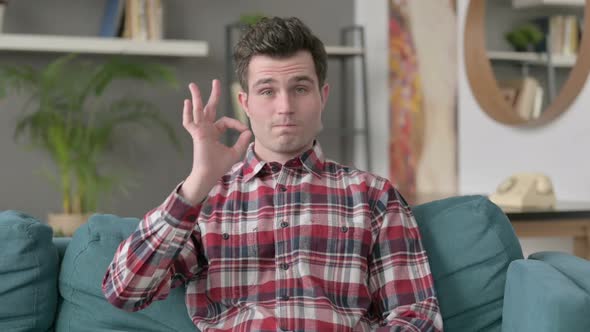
<point>550,291</point>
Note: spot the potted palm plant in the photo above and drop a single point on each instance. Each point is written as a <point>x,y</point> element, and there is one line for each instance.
<point>67,117</point>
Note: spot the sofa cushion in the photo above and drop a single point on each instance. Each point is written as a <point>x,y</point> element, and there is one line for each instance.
<point>537,284</point>
<point>28,266</point>
<point>470,243</point>
<point>84,307</point>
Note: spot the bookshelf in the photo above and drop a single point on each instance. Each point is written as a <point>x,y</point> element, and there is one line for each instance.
<point>344,51</point>
<point>101,45</point>
<point>533,58</point>
<point>538,3</point>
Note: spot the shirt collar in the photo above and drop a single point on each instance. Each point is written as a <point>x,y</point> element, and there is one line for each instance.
<point>312,160</point>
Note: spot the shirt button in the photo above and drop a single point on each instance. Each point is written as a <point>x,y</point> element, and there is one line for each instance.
<point>284,224</point>
<point>344,229</point>
<point>285,297</point>
<point>285,266</point>
<point>225,236</point>
<point>282,188</point>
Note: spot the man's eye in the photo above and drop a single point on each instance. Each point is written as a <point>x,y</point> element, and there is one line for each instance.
<point>266,92</point>
<point>301,90</point>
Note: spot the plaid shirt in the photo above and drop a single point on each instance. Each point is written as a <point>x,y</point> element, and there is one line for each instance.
<point>310,245</point>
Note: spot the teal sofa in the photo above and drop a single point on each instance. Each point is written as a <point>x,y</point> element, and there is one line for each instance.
<point>483,282</point>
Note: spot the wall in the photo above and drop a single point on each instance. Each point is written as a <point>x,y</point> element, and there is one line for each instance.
<point>373,15</point>
<point>489,151</point>
<point>155,166</point>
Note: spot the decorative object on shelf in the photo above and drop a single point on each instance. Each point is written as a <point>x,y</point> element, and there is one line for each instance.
<point>525,37</point>
<point>68,118</point>
<point>2,10</point>
<point>484,84</point>
<point>250,19</point>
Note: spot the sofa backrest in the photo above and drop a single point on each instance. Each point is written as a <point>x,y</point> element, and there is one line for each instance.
<point>28,273</point>
<point>83,306</point>
<point>470,243</point>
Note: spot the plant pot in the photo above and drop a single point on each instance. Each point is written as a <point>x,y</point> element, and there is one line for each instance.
<point>65,224</point>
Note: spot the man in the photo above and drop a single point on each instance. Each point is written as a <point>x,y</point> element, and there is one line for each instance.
<point>284,239</point>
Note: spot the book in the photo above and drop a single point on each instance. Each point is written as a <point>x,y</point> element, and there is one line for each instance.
<point>538,104</point>
<point>143,19</point>
<point>155,19</point>
<point>562,32</point>
<point>524,99</point>
<point>112,19</point>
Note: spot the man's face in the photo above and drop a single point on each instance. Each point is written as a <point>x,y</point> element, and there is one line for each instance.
<point>284,104</point>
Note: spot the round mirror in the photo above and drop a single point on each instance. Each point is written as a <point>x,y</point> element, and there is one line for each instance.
<point>526,60</point>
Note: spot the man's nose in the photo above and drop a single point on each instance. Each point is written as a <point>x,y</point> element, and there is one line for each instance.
<point>284,103</point>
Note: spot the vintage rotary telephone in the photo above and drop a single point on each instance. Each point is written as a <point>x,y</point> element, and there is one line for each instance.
<point>525,190</point>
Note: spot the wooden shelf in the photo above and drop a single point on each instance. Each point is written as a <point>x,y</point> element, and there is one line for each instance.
<point>538,3</point>
<point>99,45</point>
<point>342,51</point>
<point>559,60</point>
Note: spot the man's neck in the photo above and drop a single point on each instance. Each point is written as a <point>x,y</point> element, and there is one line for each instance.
<point>269,156</point>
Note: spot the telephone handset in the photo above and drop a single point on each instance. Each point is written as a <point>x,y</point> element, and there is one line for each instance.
<point>523,190</point>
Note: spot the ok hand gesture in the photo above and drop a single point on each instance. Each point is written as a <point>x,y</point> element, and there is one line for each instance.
<point>211,158</point>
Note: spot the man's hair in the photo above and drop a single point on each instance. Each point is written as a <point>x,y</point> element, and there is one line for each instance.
<point>278,37</point>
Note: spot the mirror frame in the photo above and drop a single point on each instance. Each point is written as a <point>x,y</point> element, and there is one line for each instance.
<point>484,85</point>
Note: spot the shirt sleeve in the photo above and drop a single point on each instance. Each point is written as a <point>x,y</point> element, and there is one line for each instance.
<point>400,280</point>
<point>160,254</point>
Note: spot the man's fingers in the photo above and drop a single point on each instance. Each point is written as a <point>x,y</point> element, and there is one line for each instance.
<point>211,107</point>
<point>197,102</point>
<point>242,143</point>
<point>227,123</point>
<point>187,113</point>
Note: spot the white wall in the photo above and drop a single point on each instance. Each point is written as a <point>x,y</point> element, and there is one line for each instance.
<point>489,151</point>
<point>374,16</point>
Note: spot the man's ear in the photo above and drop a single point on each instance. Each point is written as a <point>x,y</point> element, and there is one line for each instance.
<point>243,99</point>
<point>325,91</point>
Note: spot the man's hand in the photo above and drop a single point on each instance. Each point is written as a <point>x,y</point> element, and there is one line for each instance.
<point>211,158</point>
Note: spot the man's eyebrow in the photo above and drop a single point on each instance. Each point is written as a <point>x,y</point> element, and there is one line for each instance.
<point>263,81</point>
<point>301,78</point>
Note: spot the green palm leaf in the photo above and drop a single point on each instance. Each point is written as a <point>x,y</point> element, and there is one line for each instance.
<point>68,119</point>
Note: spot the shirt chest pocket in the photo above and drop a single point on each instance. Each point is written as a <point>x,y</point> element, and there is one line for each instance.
<point>237,240</point>
<point>338,235</point>
<point>233,260</point>
<point>223,241</point>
